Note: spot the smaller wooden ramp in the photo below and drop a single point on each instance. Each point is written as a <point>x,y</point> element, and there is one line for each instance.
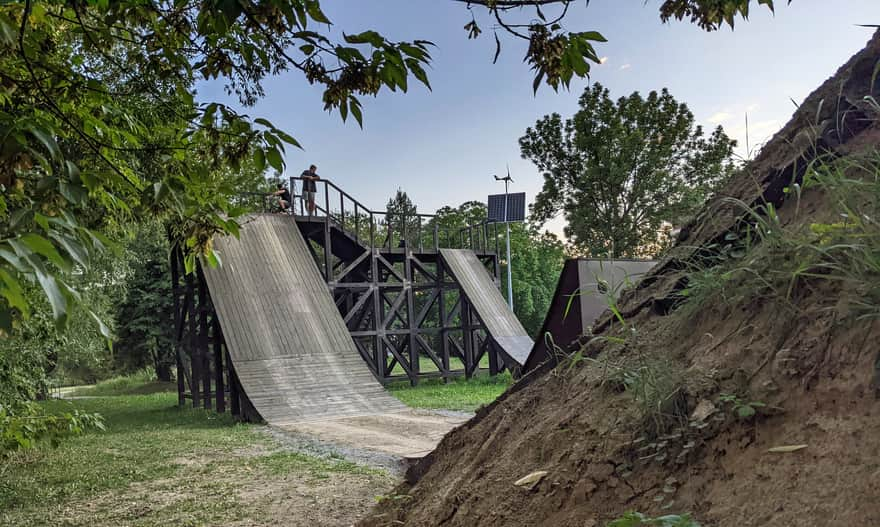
<point>583,292</point>
<point>290,347</point>
<point>480,290</point>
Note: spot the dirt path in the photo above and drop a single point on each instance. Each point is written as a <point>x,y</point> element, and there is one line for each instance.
<point>405,435</point>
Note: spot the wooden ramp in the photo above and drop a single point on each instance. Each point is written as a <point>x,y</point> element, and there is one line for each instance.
<point>585,289</point>
<point>289,345</point>
<point>482,293</point>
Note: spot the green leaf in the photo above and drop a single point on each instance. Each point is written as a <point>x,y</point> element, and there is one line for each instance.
<point>259,159</point>
<point>275,160</point>
<point>73,247</point>
<point>367,37</point>
<point>419,73</point>
<point>189,262</point>
<point>72,171</point>
<point>102,327</point>
<point>13,259</point>
<point>745,411</point>
<point>13,293</point>
<point>212,259</point>
<point>89,180</point>
<point>8,30</point>
<point>55,296</point>
<point>356,111</point>
<point>73,193</point>
<point>314,9</point>
<point>42,221</point>
<point>264,122</point>
<point>288,139</point>
<point>592,35</point>
<point>47,140</point>
<point>44,247</point>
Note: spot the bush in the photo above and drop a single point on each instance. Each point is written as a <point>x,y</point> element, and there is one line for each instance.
<point>27,425</point>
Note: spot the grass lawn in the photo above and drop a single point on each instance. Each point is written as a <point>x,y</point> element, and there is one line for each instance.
<point>458,394</point>
<point>141,383</point>
<point>428,365</point>
<point>157,464</point>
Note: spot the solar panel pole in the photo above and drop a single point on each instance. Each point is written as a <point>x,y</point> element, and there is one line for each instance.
<point>507,181</point>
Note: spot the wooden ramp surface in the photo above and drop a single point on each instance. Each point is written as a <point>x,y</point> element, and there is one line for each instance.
<point>486,299</point>
<point>290,347</point>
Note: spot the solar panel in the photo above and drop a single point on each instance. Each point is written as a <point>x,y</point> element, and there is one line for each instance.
<point>516,207</point>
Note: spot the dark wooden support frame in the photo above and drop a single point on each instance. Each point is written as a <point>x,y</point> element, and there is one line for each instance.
<point>205,373</point>
<point>403,308</point>
<point>400,303</point>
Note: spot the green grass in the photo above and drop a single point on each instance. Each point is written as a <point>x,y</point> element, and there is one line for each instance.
<point>459,394</point>
<point>180,465</point>
<point>427,365</point>
<point>139,383</point>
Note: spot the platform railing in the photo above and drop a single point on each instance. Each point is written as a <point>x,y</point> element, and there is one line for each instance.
<point>389,230</point>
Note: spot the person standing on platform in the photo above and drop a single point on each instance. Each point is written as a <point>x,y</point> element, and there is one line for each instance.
<point>310,187</point>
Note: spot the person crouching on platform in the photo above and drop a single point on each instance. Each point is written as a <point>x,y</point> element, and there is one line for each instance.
<point>284,198</point>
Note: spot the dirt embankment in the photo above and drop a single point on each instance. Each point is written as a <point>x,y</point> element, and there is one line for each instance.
<point>682,409</point>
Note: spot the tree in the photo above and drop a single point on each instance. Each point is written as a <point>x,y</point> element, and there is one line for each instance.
<point>145,315</point>
<point>618,171</point>
<point>537,261</point>
<point>96,94</point>
<point>401,221</point>
<point>450,221</point>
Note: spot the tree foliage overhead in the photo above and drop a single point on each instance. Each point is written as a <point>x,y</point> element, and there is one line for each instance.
<point>97,114</point>
<point>619,170</point>
<point>99,120</point>
<point>557,55</point>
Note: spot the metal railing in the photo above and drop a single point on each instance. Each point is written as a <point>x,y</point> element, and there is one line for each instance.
<point>389,230</point>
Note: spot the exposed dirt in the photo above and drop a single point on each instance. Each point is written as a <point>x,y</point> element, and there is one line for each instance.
<point>812,365</point>
<point>406,434</point>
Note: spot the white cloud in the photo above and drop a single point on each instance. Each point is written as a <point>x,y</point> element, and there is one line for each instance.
<point>752,107</point>
<point>603,60</point>
<point>626,66</point>
<point>719,117</point>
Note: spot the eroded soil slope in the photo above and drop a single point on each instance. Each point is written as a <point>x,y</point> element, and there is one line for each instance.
<point>758,331</point>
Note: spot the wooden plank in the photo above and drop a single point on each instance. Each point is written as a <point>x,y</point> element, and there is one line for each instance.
<point>291,349</point>
<point>488,305</point>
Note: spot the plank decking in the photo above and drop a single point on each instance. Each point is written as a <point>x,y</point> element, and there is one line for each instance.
<point>480,290</point>
<point>288,343</point>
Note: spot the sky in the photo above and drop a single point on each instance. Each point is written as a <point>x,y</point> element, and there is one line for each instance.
<point>443,146</point>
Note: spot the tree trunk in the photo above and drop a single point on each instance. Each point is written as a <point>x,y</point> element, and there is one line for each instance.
<point>163,372</point>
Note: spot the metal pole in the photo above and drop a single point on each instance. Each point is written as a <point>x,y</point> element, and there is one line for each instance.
<point>509,272</point>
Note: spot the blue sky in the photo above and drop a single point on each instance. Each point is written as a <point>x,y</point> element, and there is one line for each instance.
<point>443,146</point>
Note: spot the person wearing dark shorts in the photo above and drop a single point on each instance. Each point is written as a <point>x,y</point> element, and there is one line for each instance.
<point>284,198</point>
<point>309,177</point>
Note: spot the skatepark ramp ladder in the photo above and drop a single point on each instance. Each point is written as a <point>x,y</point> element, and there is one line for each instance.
<point>287,342</point>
